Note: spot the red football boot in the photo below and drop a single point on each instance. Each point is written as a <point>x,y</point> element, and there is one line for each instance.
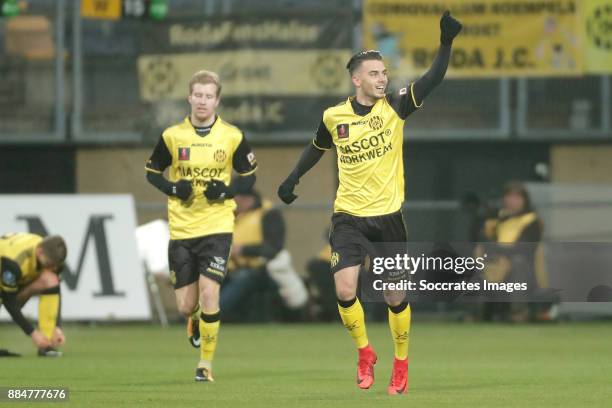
<point>399,377</point>
<point>365,367</point>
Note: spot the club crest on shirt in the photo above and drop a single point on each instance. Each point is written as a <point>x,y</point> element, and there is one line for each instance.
<point>376,122</point>
<point>9,278</point>
<point>343,130</point>
<point>220,155</point>
<point>183,153</point>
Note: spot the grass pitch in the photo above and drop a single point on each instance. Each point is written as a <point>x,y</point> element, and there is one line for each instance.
<point>452,365</point>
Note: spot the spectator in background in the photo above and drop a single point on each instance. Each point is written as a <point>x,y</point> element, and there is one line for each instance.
<point>517,222</point>
<point>320,285</point>
<point>260,270</point>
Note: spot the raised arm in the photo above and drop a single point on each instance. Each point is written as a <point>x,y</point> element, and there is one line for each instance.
<point>449,28</point>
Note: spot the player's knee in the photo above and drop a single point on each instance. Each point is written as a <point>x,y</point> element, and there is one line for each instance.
<point>186,306</point>
<point>394,298</point>
<point>346,293</point>
<point>209,292</point>
<point>394,302</point>
<point>210,305</point>
<point>209,298</point>
<point>345,281</point>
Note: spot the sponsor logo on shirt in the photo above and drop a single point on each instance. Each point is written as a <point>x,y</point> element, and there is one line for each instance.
<point>359,122</point>
<point>251,158</point>
<point>343,131</point>
<point>183,153</point>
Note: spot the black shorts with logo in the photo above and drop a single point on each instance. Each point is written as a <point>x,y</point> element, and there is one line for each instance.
<point>190,258</point>
<point>351,237</point>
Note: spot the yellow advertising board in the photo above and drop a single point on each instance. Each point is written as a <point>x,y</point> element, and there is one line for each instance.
<point>597,25</point>
<point>499,37</point>
<point>248,72</point>
<point>101,9</point>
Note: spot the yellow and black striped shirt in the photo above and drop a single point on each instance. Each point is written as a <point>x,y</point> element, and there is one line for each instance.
<point>199,159</point>
<point>18,260</point>
<point>368,143</point>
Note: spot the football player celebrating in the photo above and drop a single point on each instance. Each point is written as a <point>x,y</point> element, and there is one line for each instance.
<point>367,131</point>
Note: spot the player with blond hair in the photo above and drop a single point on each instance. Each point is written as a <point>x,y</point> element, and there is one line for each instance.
<point>200,154</point>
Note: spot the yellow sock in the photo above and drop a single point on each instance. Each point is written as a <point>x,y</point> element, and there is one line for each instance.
<point>48,309</point>
<point>354,321</point>
<point>209,330</point>
<point>399,323</point>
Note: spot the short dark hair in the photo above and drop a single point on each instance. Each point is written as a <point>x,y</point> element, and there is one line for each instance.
<point>357,59</point>
<point>54,248</point>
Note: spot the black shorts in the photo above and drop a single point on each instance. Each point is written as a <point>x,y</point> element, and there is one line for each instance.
<point>190,258</point>
<point>351,237</point>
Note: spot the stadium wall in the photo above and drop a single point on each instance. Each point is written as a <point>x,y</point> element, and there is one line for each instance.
<point>571,163</point>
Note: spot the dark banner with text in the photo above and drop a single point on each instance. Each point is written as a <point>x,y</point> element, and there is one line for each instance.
<point>266,64</point>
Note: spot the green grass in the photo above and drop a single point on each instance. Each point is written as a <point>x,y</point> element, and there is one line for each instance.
<point>452,365</point>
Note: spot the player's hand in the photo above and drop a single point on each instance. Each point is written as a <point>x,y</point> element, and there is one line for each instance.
<point>182,189</point>
<point>285,190</point>
<point>58,338</point>
<point>217,190</point>
<point>40,340</point>
<point>449,28</point>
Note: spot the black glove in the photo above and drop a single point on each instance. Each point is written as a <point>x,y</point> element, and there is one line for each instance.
<point>449,28</point>
<point>217,190</point>
<point>285,190</point>
<point>182,189</point>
